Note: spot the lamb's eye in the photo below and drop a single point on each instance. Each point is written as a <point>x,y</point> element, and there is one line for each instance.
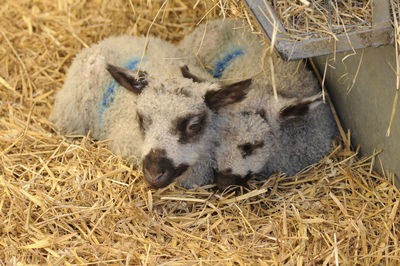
<point>193,126</point>
<point>190,127</point>
<point>248,148</point>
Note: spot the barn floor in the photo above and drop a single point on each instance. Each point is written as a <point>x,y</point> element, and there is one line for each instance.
<point>69,200</point>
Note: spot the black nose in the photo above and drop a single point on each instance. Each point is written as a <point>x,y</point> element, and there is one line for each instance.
<point>159,171</point>
<point>225,178</point>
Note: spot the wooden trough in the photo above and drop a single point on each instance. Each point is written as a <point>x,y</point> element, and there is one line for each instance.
<point>290,48</point>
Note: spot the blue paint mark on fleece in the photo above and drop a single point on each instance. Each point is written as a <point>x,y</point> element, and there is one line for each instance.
<point>221,65</point>
<point>108,96</point>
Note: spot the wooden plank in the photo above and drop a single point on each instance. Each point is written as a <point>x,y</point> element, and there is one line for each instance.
<point>381,14</point>
<point>292,50</point>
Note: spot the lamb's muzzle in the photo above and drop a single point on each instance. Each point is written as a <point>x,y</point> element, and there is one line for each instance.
<point>159,171</point>
<point>225,178</point>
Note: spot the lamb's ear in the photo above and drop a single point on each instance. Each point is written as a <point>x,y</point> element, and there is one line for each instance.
<point>187,74</point>
<point>299,107</point>
<point>127,78</point>
<point>228,94</point>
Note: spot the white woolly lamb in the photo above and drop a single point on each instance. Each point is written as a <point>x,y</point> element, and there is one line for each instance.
<point>283,135</point>
<point>90,100</point>
<point>286,141</point>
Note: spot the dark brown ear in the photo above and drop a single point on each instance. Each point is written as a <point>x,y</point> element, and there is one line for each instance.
<point>228,94</point>
<point>299,107</point>
<point>126,78</point>
<point>187,74</point>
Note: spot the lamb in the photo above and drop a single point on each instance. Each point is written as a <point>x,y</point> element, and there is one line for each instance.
<point>254,136</point>
<point>90,100</point>
<point>163,116</point>
<point>283,135</point>
<point>229,51</point>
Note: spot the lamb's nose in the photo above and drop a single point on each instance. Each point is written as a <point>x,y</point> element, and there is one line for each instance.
<point>160,177</point>
<point>157,168</point>
<point>159,171</point>
<point>157,180</point>
<point>224,179</point>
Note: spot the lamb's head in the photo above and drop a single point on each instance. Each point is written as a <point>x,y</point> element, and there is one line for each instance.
<point>249,140</point>
<point>176,116</point>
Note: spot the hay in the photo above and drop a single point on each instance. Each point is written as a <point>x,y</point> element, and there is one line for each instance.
<point>67,200</point>
<point>312,19</point>
<point>321,18</point>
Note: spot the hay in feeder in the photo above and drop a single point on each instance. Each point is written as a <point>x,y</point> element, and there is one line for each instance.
<point>69,200</point>
<point>311,19</point>
<point>319,18</point>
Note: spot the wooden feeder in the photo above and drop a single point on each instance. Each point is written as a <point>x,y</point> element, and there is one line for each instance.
<point>379,33</point>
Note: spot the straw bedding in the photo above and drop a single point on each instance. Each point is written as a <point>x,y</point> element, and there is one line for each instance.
<point>69,200</point>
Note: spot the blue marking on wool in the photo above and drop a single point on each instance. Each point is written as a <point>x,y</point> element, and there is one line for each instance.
<point>133,64</point>
<point>221,65</point>
<point>108,96</point>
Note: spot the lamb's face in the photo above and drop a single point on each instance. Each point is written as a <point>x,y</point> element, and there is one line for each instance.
<point>177,117</point>
<point>176,126</point>
<point>245,144</point>
<point>248,141</point>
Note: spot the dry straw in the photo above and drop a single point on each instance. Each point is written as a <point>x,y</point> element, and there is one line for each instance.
<point>69,200</point>
<point>306,19</point>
